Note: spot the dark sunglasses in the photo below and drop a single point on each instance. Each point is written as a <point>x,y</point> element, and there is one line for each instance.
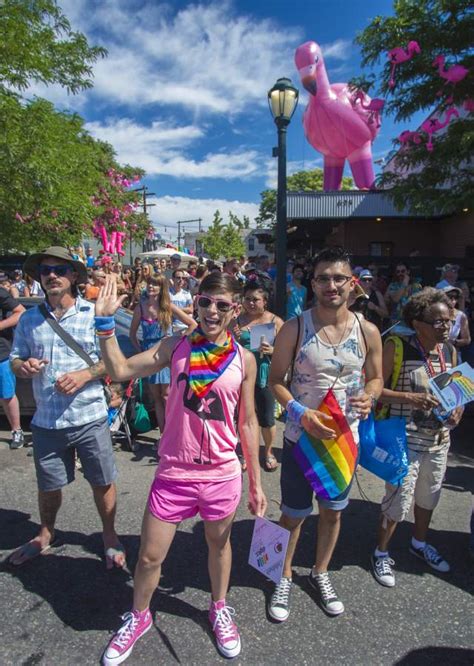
<point>367,279</point>
<point>221,305</point>
<point>60,271</point>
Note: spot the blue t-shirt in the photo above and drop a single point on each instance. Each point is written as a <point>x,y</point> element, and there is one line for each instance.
<point>181,299</point>
<point>295,300</point>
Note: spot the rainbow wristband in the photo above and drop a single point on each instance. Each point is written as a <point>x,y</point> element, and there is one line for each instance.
<point>105,334</point>
<point>295,411</point>
<point>104,324</point>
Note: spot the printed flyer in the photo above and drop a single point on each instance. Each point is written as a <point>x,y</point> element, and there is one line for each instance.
<point>268,548</point>
<point>454,387</point>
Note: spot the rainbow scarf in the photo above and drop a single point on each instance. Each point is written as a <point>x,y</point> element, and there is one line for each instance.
<point>328,464</point>
<point>208,361</point>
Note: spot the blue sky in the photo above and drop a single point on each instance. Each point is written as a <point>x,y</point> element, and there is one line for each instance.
<point>183,92</point>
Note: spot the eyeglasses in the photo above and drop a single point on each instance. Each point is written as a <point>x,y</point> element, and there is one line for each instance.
<point>367,279</point>
<point>439,323</point>
<point>60,271</point>
<point>248,299</point>
<point>221,304</point>
<point>339,280</point>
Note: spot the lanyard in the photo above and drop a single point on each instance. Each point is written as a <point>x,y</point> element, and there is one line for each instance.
<point>428,365</point>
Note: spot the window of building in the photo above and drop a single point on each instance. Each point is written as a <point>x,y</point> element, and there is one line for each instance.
<point>384,249</point>
<point>251,244</point>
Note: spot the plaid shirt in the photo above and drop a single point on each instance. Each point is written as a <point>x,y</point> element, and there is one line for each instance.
<point>34,338</point>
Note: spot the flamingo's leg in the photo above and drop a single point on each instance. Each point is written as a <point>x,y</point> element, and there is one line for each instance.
<point>362,168</point>
<point>333,170</point>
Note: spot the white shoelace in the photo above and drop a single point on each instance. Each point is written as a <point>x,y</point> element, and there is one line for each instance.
<point>125,632</point>
<point>327,590</point>
<point>282,592</point>
<point>223,622</point>
<point>384,566</point>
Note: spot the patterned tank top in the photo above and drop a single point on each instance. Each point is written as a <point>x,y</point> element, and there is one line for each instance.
<point>317,368</point>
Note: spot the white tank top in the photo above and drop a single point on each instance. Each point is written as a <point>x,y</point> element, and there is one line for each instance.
<point>317,368</point>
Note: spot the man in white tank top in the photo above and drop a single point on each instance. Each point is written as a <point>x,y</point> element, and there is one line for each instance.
<point>333,347</point>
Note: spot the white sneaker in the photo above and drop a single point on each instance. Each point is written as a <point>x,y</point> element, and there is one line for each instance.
<point>327,594</point>
<point>382,568</point>
<point>279,607</point>
<point>18,439</point>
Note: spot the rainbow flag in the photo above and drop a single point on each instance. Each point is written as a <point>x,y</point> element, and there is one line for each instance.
<point>208,361</point>
<point>328,464</point>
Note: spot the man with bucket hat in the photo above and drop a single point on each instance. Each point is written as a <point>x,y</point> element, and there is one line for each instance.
<point>71,411</point>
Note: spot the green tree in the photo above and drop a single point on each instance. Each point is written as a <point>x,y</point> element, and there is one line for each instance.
<point>38,45</point>
<point>301,181</point>
<point>440,180</point>
<point>223,240</point>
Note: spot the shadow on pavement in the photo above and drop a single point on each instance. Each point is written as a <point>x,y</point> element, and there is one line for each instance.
<point>437,655</point>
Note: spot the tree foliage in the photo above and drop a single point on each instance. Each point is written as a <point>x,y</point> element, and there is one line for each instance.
<point>224,240</point>
<point>38,45</point>
<point>301,181</point>
<point>440,180</point>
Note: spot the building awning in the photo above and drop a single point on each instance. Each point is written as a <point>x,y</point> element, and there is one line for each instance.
<point>344,204</point>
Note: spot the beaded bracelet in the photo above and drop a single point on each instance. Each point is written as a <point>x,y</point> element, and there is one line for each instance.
<point>295,411</point>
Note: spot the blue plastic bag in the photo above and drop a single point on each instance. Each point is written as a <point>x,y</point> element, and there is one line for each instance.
<point>383,448</point>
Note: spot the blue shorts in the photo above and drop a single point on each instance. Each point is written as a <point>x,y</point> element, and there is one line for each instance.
<point>296,493</point>
<point>7,380</point>
<point>54,455</point>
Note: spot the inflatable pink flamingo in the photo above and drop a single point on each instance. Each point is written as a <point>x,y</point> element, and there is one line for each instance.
<point>335,123</point>
<point>433,125</point>
<point>399,55</point>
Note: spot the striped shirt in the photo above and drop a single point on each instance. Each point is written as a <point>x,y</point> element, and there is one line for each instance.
<point>34,338</point>
<point>424,431</point>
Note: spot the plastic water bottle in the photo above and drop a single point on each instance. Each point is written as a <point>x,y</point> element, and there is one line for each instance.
<point>354,388</point>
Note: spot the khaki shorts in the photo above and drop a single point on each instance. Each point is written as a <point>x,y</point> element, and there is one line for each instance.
<point>423,482</point>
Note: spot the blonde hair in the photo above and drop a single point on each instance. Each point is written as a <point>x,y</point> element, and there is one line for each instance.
<point>163,299</point>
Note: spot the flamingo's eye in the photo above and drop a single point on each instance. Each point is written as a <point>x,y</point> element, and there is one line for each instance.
<point>316,59</point>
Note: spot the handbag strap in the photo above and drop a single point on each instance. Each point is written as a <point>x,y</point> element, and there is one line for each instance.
<point>64,335</point>
<point>290,377</point>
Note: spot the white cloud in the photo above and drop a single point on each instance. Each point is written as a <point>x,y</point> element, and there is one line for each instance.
<point>169,210</point>
<point>292,167</point>
<point>341,49</point>
<point>203,57</point>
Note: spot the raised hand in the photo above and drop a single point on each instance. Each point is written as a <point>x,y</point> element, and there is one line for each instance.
<point>108,302</point>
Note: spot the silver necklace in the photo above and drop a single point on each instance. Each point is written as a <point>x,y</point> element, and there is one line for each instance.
<point>331,344</point>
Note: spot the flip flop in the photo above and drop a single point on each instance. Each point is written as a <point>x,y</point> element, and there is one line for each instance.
<point>29,551</point>
<point>270,463</point>
<point>111,555</point>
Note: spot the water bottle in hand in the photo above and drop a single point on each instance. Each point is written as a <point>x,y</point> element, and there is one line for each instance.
<point>354,388</point>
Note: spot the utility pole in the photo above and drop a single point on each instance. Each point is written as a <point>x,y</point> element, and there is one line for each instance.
<point>145,205</point>
<point>180,222</point>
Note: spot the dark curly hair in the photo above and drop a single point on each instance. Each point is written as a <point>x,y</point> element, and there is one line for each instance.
<point>418,304</point>
<point>331,255</point>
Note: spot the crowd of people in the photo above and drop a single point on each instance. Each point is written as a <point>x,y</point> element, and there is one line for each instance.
<point>220,364</point>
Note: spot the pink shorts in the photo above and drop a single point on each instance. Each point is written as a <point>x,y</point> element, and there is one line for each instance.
<point>174,501</point>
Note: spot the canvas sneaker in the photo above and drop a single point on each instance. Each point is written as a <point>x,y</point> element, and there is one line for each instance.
<point>431,556</point>
<point>225,629</point>
<point>120,647</point>
<point>18,439</point>
<point>382,568</point>
<point>327,594</point>
<point>279,607</point>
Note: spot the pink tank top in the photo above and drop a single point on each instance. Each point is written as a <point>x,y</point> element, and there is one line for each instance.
<point>200,436</point>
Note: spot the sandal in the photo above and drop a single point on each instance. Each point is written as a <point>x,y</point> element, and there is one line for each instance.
<point>29,551</point>
<point>270,463</point>
<point>115,557</point>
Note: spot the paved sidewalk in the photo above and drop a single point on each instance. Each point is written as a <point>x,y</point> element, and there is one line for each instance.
<point>60,609</point>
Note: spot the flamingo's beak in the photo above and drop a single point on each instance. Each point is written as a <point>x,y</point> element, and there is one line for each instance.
<point>310,84</point>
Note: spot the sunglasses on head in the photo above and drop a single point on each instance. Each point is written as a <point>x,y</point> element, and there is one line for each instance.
<point>221,304</point>
<point>60,271</point>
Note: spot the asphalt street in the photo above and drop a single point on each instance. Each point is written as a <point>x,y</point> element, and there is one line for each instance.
<point>61,608</point>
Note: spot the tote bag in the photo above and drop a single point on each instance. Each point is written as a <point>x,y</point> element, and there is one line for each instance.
<point>383,448</point>
<point>141,420</point>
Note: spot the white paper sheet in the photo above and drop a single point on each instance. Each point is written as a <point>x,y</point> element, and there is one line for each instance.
<point>268,548</point>
<point>260,331</point>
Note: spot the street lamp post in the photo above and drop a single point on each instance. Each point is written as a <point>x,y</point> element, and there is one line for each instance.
<point>282,100</point>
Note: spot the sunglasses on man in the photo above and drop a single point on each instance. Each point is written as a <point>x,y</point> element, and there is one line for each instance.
<point>60,271</point>
<point>221,304</point>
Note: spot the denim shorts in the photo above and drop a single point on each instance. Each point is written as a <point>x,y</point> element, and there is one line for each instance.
<point>297,494</point>
<point>7,380</point>
<point>54,454</point>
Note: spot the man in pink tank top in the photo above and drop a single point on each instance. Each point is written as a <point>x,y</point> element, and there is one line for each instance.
<point>210,405</point>
<point>324,350</point>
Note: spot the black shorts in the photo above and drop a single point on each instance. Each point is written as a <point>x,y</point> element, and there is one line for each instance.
<point>264,406</point>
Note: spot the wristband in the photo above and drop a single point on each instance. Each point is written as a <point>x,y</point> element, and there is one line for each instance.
<point>105,334</point>
<point>295,411</point>
<point>104,323</point>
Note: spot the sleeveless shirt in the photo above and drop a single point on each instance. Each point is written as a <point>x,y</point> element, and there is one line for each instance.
<point>317,369</point>
<point>200,435</point>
